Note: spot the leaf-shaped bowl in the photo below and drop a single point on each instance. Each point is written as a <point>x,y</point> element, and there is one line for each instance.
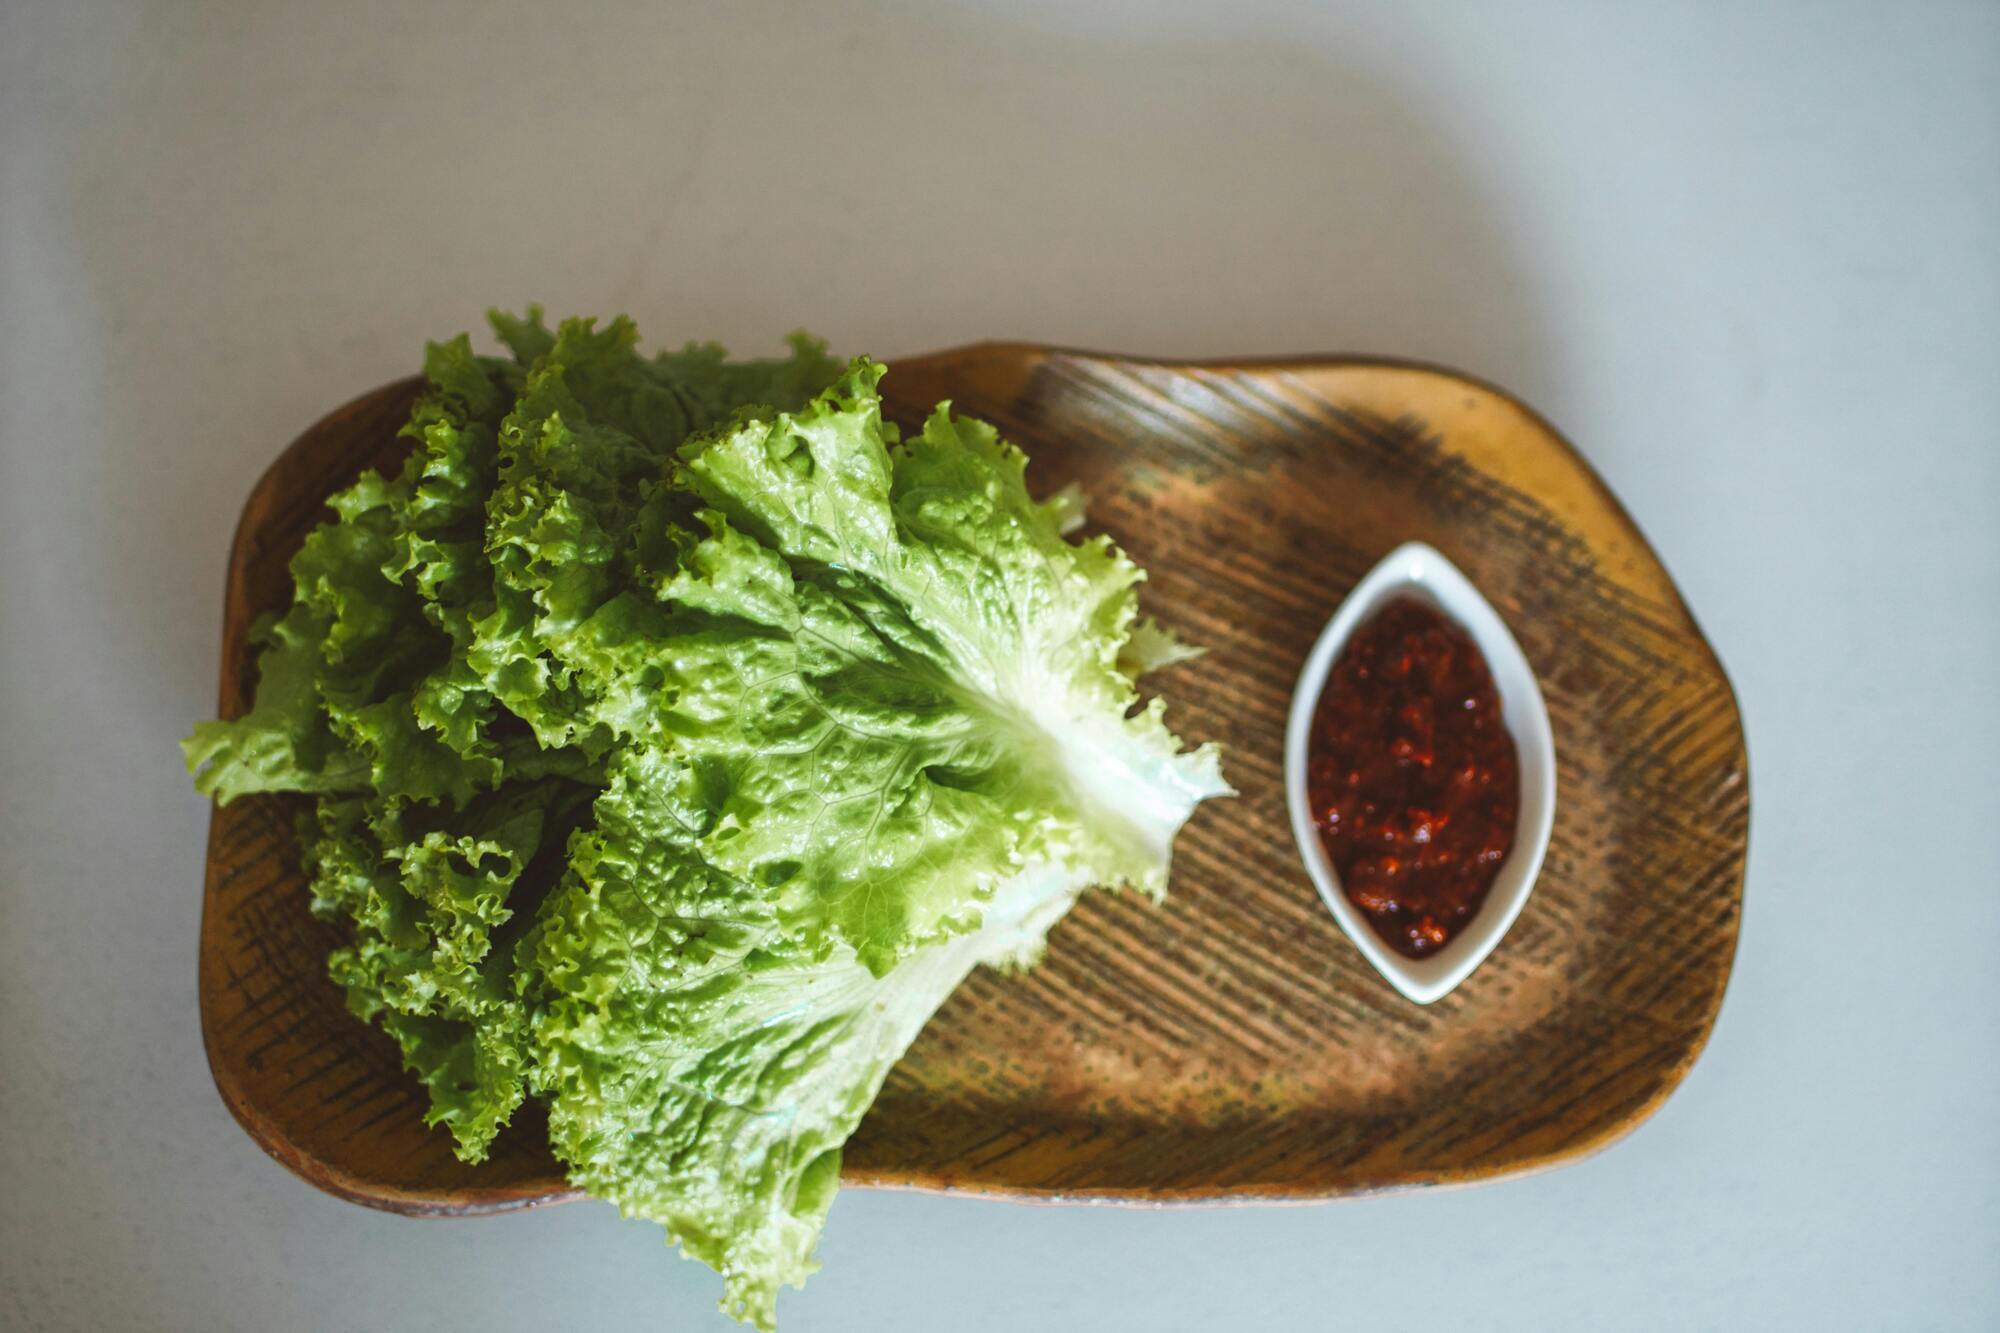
<point>1228,1044</point>
<point>1415,570</point>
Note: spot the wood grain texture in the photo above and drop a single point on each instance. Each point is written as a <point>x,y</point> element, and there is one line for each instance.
<point>1231,1043</point>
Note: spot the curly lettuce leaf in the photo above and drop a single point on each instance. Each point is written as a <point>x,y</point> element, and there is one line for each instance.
<point>368,687</point>
<point>937,543</point>
<point>431,955</point>
<point>1154,647</point>
<point>703,1066</point>
<point>284,743</point>
<point>345,700</point>
<point>889,739</point>
<point>583,457</point>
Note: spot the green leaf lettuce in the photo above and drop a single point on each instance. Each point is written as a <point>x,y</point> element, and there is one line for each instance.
<point>683,736</point>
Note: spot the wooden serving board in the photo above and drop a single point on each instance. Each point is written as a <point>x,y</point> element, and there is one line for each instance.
<point>1231,1043</point>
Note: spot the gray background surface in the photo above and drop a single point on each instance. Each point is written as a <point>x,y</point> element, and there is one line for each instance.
<point>1747,256</point>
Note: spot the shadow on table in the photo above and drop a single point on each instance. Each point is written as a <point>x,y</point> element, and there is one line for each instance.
<point>288,204</point>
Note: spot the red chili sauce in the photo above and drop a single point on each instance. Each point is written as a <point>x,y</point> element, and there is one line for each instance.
<point>1412,776</point>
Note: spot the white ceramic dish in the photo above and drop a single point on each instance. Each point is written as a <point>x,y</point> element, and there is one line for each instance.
<point>1417,570</point>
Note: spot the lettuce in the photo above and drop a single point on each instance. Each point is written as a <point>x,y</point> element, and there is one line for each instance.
<point>682,736</point>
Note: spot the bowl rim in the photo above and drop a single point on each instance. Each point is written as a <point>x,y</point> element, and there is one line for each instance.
<point>1417,569</point>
